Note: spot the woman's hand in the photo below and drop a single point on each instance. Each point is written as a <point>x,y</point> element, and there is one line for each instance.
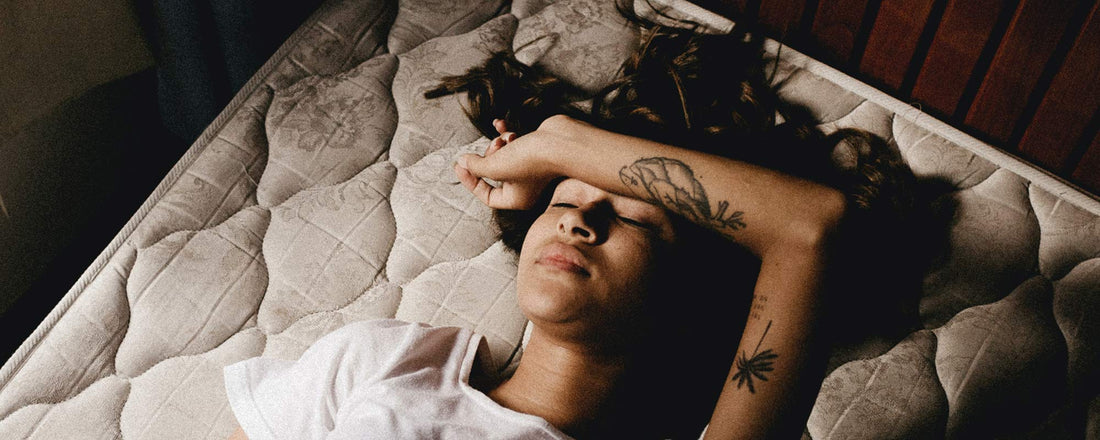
<point>520,170</point>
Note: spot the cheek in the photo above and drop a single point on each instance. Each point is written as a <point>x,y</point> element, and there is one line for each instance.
<point>536,234</point>
<point>644,251</point>
<point>635,265</point>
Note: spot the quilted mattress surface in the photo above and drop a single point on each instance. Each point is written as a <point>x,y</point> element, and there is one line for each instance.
<point>324,194</point>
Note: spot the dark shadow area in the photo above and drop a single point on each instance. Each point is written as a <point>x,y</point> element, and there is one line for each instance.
<point>71,179</point>
<point>206,51</point>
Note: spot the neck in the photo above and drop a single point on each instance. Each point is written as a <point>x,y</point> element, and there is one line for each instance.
<point>565,384</point>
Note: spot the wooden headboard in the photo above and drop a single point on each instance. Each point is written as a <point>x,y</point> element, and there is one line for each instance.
<point>1022,75</point>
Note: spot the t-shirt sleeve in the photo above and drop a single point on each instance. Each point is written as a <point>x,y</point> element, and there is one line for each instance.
<point>279,399</point>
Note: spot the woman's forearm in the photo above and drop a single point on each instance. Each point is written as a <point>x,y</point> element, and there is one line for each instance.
<point>757,207</point>
<point>770,386</point>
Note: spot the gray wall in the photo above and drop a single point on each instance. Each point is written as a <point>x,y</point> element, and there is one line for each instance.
<point>52,50</point>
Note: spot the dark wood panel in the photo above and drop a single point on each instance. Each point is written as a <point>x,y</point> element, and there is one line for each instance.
<point>964,31</point>
<point>781,17</point>
<point>1026,49</point>
<point>836,26</point>
<point>734,9</point>
<point>893,40</point>
<point>1069,104</point>
<point>1087,173</point>
<point>990,67</point>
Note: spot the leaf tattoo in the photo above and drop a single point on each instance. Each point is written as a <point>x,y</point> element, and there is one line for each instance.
<point>751,368</point>
<point>672,184</point>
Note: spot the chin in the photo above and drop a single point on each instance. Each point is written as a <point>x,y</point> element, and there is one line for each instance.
<point>550,304</point>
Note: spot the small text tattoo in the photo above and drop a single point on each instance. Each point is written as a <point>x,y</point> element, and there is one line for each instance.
<point>672,184</point>
<point>754,367</point>
<point>759,303</point>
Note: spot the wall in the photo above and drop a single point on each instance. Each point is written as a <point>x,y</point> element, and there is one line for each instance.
<point>53,50</point>
<point>62,134</point>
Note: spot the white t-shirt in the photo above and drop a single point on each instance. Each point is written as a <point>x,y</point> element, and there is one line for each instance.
<point>383,379</point>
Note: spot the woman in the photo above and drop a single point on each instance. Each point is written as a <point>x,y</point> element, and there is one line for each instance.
<point>614,211</point>
<point>604,222</point>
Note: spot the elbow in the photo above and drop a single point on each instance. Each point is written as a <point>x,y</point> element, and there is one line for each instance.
<point>831,210</point>
<point>817,223</point>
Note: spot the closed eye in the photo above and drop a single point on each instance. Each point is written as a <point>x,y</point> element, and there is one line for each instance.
<point>625,220</point>
<point>633,222</point>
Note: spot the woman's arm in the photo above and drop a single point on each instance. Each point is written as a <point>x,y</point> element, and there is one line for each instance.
<point>754,206</point>
<point>785,221</point>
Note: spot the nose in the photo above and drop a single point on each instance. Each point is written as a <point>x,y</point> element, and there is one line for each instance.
<point>584,225</point>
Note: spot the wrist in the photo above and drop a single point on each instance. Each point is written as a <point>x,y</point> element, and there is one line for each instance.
<point>561,144</point>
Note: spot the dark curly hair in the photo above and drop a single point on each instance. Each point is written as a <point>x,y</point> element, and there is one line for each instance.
<point>712,93</point>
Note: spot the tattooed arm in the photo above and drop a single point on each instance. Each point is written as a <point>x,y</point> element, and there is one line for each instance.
<point>784,221</point>
<point>756,207</point>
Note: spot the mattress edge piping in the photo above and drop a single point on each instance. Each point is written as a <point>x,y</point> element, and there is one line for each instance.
<point>1046,181</point>
<point>18,358</point>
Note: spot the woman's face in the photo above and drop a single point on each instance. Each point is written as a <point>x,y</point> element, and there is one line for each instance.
<point>588,260</point>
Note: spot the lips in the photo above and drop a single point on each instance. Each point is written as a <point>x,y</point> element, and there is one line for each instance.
<point>562,257</point>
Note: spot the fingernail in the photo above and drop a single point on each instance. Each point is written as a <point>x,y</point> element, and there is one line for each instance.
<point>461,161</point>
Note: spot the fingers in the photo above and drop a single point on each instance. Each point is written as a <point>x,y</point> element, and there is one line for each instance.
<point>499,142</point>
<point>474,164</point>
<point>495,145</point>
<point>473,183</point>
<point>465,177</point>
<point>500,125</point>
<point>503,196</point>
<point>477,186</point>
<point>484,192</point>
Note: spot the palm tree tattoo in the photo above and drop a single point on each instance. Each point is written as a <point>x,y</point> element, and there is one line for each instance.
<point>749,368</point>
<point>672,184</point>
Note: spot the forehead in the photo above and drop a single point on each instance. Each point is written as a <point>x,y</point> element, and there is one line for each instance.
<point>571,186</point>
<point>577,188</point>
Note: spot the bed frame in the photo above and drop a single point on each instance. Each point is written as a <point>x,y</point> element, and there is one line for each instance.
<point>1018,74</point>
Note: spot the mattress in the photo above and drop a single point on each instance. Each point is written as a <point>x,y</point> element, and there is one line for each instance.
<point>323,194</point>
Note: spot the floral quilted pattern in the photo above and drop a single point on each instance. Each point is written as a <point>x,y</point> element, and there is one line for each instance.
<point>93,414</point>
<point>1075,306</point>
<point>455,227</point>
<point>379,302</point>
<point>1001,359</point>
<point>893,396</point>
<point>478,293</point>
<point>326,246</point>
<point>206,283</point>
<point>170,402</point>
<point>420,21</point>
<point>325,129</point>
<point>972,277</point>
<point>325,195</point>
<point>426,125</point>
<point>582,41</point>
<point>932,156</point>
